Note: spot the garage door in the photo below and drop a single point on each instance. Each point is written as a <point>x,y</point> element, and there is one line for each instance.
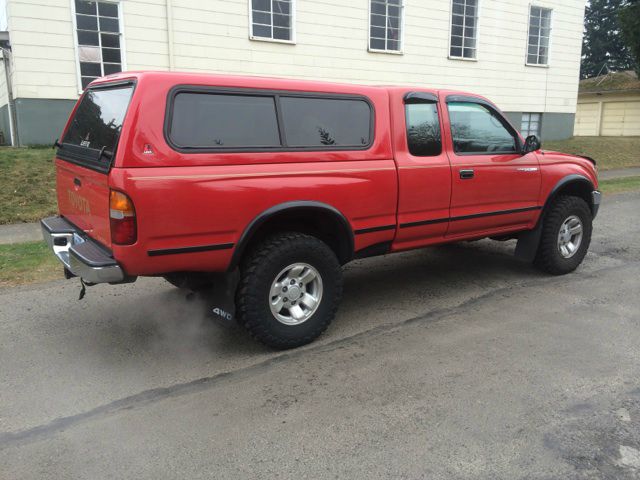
<point>621,119</point>
<point>586,120</point>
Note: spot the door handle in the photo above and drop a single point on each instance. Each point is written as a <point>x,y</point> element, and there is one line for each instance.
<point>466,174</point>
<point>77,182</point>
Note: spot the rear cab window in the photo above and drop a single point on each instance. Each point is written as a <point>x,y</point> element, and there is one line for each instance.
<point>207,119</point>
<point>423,129</point>
<point>92,136</point>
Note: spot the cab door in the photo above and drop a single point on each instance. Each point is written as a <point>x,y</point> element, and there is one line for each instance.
<point>494,187</point>
<point>424,172</point>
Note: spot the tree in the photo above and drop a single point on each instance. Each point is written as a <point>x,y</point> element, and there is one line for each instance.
<point>630,22</point>
<point>603,48</point>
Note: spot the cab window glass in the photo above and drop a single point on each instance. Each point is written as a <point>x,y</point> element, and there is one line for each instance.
<point>423,129</point>
<point>478,129</point>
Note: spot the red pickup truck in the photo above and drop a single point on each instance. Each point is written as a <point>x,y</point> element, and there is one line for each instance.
<point>262,188</point>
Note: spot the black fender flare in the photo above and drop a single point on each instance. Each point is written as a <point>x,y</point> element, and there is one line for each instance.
<point>573,178</point>
<point>528,241</point>
<point>293,206</point>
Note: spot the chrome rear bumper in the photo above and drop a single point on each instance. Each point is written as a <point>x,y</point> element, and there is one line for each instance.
<point>79,254</point>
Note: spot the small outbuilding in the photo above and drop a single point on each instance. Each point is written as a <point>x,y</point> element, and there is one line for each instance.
<point>609,105</point>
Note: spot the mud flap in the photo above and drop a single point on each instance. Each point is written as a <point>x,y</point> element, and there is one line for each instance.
<point>221,298</point>
<point>528,242</point>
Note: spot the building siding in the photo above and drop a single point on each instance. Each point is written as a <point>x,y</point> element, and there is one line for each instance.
<point>5,128</point>
<point>331,44</point>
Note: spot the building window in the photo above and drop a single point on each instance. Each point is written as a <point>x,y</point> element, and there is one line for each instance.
<point>272,20</point>
<point>464,29</point>
<point>539,34</point>
<point>98,39</point>
<point>531,123</point>
<point>385,26</point>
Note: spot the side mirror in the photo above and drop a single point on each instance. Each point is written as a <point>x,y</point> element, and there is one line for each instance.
<point>531,144</point>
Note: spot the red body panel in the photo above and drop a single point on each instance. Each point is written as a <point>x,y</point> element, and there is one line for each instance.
<point>196,199</point>
<point>501,182</point>
<point>83,198</point>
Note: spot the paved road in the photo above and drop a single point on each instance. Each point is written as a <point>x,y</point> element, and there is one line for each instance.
<point>453,362</point>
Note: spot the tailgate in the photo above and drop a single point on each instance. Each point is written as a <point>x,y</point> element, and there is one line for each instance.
<point>83,199</point>
<point>84,158</point>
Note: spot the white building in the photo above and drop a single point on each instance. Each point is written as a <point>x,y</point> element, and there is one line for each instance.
<point>522,54</point>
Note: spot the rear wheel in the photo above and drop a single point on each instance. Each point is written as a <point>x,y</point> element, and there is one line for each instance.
<point>290,287</point>
<point>566,235</point>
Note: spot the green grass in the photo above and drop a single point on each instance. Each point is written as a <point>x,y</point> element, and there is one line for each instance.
<point>609,152</point>
<point>619,185</point>
<point>27,184</point>
<point>29,262</point>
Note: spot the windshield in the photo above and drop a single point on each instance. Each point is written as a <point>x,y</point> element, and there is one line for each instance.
<point>98,119</point>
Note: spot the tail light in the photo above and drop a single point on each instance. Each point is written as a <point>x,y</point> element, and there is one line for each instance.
<point>122,217</point>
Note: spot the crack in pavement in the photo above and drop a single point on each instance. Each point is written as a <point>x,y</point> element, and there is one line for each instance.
<point>146,397</point>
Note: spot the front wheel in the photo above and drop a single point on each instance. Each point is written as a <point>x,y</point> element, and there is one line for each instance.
<point>290,287</point>
<point>566,235</point>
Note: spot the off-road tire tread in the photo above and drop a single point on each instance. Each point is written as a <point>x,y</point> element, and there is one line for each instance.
<point>248,293</point>
<point>547,257</point>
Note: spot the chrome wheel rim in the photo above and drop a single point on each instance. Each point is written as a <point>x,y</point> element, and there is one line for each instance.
<point>295,294</point>
<point>570,236</point>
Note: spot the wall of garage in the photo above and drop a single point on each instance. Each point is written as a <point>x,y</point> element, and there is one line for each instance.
<point>608,114</point>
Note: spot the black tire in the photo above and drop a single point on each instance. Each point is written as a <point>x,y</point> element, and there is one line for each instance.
<point>259,270</point>
<point>548,257</point>
<point>189,280</point>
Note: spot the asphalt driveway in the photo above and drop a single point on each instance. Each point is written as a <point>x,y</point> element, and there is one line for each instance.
<point>452,362</point>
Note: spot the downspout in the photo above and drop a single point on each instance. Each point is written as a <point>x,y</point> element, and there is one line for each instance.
<point>170,34</point>
<point>13,124</point>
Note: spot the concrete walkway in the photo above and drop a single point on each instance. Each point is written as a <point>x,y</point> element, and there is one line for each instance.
<point>619,173</point>
<point>20,232</point>
<point>29,232</point>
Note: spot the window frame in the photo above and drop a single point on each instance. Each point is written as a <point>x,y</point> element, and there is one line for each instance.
<point>123,49</point>
<point>501,118</point>
<point>526,47</point>
<point>465,59</point>
<point>276,94</point>
<point>400,51</point>
<point>291,41</point>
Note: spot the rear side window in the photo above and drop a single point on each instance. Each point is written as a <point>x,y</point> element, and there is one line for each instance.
<point>207,120</point>
<point>326,122</point>
<point>423,129</point>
